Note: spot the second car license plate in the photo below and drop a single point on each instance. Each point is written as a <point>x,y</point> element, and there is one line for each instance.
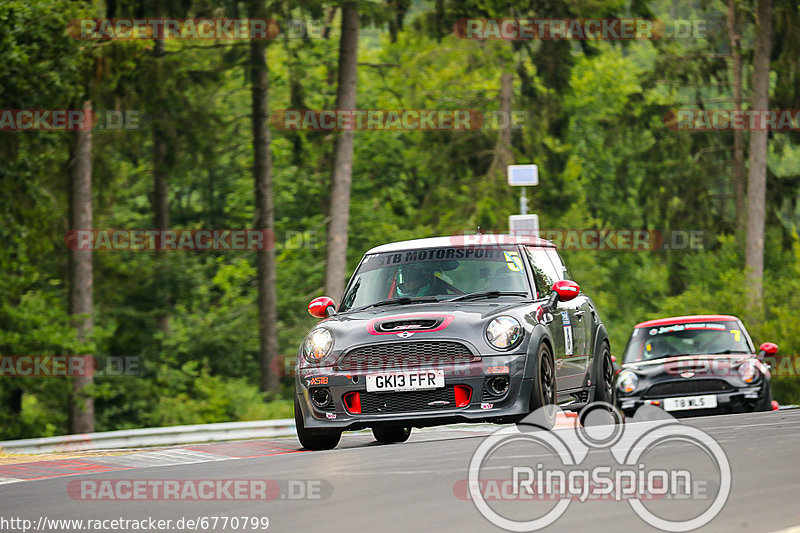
<point>708,401</point>
<point>405,381</point>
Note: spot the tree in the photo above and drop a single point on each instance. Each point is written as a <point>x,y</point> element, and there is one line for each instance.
<point>503,155</point>
<point>757,176</point>
<point>81,300</point>
<point>265,209</point>
<point>160,190</point>
<point>739,182</point>
<point>336,264</point>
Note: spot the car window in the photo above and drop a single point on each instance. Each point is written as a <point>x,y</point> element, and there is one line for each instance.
<point>697,338</point>
<point>439,272</point>
<point>544,273</point>
<point>558,263</point>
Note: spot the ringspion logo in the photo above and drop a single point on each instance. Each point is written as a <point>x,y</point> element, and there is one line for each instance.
<point>647,468</point>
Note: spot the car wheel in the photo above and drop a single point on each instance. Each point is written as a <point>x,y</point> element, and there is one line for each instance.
<point>391,435</point>
<point>765,404</point>
<point>543,392</point>
<point>314,439</point>
<point>604,376</point>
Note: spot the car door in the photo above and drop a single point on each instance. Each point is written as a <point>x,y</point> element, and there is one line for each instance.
<point>581,316</point>
<point>569,372</point>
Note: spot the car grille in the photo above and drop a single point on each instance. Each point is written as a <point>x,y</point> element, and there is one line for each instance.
<point>404,354</point>
<point>405,402</point>
<point>688,386</point>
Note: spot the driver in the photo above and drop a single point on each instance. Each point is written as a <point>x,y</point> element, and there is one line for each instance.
<point>418,281</point>
<point>658,347</point>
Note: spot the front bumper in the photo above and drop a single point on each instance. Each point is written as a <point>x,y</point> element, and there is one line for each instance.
<point>482,406</point>
<point>741,400</point>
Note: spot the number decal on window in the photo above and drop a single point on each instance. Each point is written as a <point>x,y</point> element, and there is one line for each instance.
<point>513,261</point>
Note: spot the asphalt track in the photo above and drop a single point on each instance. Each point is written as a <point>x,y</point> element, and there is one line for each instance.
<point>404,487</point>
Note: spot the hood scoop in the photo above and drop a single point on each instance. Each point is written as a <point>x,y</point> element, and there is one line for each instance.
<point>414,324</point>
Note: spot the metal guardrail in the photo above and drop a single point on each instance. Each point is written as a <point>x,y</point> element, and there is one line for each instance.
<point>164,436</point>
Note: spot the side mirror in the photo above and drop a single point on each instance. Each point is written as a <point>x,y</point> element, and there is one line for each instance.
<point>563,290</point>
<point>321,307</point>
<point>767,348</point>
<point>566,290</point>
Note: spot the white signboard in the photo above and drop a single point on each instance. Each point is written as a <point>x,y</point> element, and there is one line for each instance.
<point>524,225</point>
<point>523,175</point>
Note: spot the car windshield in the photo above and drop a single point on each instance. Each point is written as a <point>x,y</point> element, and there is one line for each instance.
<point>437,274</point>
<point>698,338</point>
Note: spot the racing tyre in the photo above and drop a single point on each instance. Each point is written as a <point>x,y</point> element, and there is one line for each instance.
<point>603,377</point>
<point>765,404</point>
<point>543,393</point>
<point>391,435</point>
<point>314,439</point>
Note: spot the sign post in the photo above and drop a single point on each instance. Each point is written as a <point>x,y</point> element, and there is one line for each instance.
<point>523,176</point>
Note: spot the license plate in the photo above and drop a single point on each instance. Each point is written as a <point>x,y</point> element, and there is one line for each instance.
<point>708,401</point>
<point>405,381</point>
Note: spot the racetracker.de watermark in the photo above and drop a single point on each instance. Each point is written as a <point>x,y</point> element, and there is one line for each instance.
<point>396,120</point>
<point>527,29</point>
<point>595,240</point>
<point>674,477</point>
<point>733,119</point>
<point>729,365</point>
<point>70,120</point>
<point>286,365</point>
<point>783,365</point>
<point>64,366</point>
<point>145,523</point>
<point>179,28</point>
<point>189,240</point>
<point>196,28</point>
<point>199,489</point>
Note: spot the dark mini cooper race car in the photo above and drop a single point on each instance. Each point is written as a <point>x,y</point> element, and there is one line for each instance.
<point>694,365</point>
<point>449,329</point>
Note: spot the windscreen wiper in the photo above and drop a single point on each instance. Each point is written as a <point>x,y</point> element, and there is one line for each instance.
<point>487,294</point>
<point>400,301</point>
<point>691,355</point>
<point>664,356</point>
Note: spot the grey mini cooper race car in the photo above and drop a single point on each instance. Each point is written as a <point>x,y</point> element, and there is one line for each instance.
<point>483,328</point>
<point>695,365</point>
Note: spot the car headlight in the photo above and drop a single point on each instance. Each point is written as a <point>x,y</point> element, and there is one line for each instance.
<point>749,372</point>
<point>627,381</point>
<point>504,332</point>
<point>318,344</point>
